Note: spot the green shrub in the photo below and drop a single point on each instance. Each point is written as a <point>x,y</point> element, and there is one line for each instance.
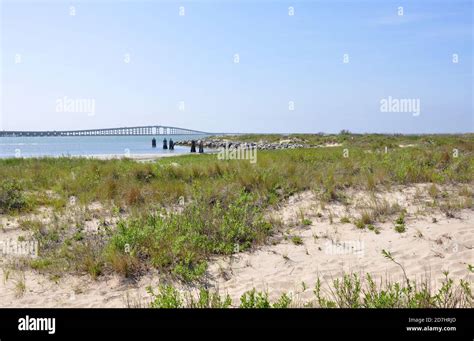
<point>297,240</point>
<point>254,299</point>
<point>182,242</point>
<point>400,228</point>
<point>207,299</point>
<point>283,302</point>
<point>166,297</point>
<point>190,271</point>
<point>12,197</point>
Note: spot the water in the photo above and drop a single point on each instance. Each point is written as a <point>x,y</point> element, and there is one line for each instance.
<point>87,145</point>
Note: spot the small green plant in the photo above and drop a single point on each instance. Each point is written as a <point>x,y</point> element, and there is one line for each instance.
<point>297,240</point>
<point>359,224</point>
<point>401,219</point>
<point>283,302</point>
<point>365,219</point>
<point>322,301</point>
<point>400,228</point>
<point>345,220</point>
<point>304,221</point>
<point>400,223</point>
<point>166,297</point>
<point>254,299</point>
<point>389,256</point>
<point>373,228</point>
<point>79,235</point>
<point>207,299</point>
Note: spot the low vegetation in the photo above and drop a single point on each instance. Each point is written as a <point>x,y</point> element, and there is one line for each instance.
<point>12,197</point>
<point>400,224</point>
<point>169,297</point>
<point>173,214</point>
<point>367,141</point>
<point>350,291</point>
<point>181,243</point>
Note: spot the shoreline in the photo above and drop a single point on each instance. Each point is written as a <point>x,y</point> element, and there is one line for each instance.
<point>135,157</point>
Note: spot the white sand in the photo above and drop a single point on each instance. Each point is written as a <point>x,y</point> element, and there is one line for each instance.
<point>136,157</point>
<point>445,245</point>
<point>426,249</point>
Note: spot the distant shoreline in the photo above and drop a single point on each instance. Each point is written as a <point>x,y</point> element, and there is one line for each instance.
<point>136,157</point>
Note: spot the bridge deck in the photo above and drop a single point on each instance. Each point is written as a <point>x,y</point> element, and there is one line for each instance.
<point>124,131</point>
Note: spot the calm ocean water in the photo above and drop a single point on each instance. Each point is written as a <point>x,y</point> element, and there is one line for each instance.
<point>92,145</point>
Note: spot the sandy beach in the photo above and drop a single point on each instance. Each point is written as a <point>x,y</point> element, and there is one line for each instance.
<point>135,157</point>
<point>326,249</point>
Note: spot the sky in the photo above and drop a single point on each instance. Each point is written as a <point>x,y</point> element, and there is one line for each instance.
<point>238,65</point>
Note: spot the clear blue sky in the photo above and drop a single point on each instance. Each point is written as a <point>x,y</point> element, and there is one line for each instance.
<point>282,58</point>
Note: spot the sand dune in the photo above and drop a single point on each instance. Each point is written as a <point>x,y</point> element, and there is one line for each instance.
<point>325,250</point>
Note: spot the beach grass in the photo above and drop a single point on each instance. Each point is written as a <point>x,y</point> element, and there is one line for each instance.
<point>175,213</point>
<point>352,290</point>
<point>53,181</point>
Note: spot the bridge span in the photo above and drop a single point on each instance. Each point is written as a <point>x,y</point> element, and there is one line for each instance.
<point>124,131</point>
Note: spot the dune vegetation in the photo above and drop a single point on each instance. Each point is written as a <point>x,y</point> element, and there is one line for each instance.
<point>174,213</point>
<point>351,291</point>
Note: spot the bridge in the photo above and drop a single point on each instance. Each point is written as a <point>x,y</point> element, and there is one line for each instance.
<point>124,131</point>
